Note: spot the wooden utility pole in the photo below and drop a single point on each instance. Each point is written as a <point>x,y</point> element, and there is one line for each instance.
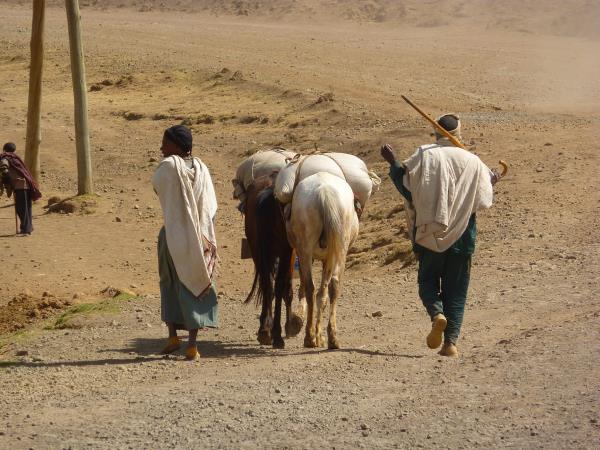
<point>85,183</point>
<point>34,107</point>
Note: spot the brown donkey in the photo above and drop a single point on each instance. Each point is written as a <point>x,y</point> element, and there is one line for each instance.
<point>272,255</point>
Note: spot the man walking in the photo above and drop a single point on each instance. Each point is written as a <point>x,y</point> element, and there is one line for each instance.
<point>443,186</point>
<point>15,178</point>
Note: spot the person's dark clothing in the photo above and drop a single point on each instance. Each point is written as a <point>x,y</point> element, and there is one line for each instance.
<point>23,207</point>
<point>443,283</point>
<point>17,180</point>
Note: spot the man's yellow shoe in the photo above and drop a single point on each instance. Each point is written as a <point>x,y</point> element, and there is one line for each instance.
<point>173,344</point>
<point>436,335</point>
<point>191,353</point>
<point>449,349</point>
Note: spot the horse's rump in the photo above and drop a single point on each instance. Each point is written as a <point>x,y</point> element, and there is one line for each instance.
<point>332,198</point>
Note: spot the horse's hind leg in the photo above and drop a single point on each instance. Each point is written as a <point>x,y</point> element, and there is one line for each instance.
<point>309,289</point>
<point>322,303</point>
<point>294,320</point>
<point>301,309</point>
<point>276,330</point>
<point>334,292</point>
<point>266,323</point>
<point>283,290</point>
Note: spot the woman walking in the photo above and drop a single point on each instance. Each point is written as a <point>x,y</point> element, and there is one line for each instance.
<point>187,246</point>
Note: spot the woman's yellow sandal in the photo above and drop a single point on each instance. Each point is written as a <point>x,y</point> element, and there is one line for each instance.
<point>191,353</point>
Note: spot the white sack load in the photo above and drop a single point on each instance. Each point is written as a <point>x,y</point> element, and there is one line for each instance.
<point>346,166</point>
<point>261,163</point>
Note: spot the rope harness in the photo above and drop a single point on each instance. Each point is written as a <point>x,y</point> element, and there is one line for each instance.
<point>299,159</point>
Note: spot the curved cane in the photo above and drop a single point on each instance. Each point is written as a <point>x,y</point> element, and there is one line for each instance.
<point>504,167</point>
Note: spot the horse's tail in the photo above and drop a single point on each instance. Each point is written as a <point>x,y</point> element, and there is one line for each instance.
<point>266,258</point>
<point>332,212</point>
<point>252,292</point>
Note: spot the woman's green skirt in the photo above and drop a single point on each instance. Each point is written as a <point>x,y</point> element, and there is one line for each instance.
<point>178,305</point>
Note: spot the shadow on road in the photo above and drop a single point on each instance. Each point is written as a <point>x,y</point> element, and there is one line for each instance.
<point>220,349</point>
<point>83,363</point>
<point>144,350</point>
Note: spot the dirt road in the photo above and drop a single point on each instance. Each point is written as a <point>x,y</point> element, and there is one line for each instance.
<point>528,372</point>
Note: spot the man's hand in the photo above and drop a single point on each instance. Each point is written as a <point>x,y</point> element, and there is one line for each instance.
<point>387,153</point>
<point>495,176</point>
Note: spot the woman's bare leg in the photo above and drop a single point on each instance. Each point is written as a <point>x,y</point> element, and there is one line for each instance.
<point>193,337</point>
<point>173,343</point>
<point>191,352</point>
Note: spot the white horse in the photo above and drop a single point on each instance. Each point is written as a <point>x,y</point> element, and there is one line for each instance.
<point>323,225</point>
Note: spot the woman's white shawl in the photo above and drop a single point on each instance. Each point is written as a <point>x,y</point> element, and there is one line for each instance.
<point>447,184</point>
<point>189,205</point>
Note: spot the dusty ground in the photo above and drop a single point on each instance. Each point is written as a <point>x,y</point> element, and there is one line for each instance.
<point>527,88</point>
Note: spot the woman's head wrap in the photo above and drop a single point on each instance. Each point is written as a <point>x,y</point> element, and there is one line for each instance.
<point>181,136</point>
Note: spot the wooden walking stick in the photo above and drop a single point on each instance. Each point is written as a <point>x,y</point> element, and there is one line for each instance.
<point>445,132</point>
<point>16,222</point>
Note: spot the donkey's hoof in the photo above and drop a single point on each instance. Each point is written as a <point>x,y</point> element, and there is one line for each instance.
<point>334,344</point>
<point>278,343</point>
<point>310,342</point>
<point>294,326</point>
<point>264,338</point>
